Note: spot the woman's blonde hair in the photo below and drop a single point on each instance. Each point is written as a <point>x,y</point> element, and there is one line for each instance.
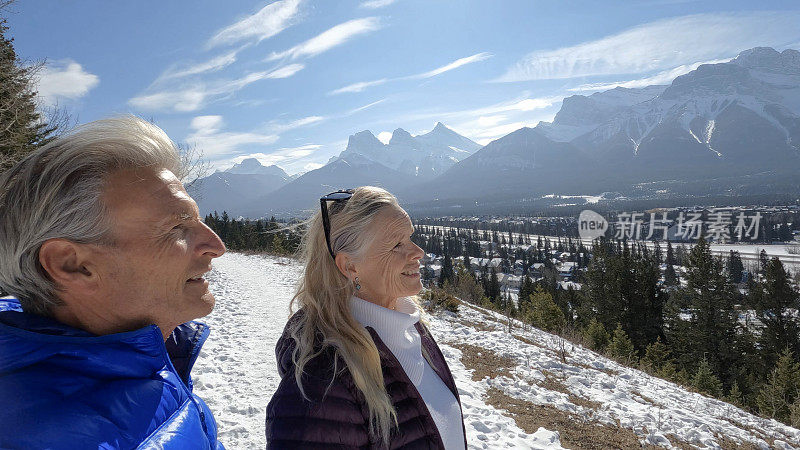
<point>324,296</point>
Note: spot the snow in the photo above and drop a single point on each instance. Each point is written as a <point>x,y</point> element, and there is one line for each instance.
<point>236,374</point>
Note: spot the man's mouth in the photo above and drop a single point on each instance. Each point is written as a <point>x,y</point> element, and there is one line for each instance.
<point>196,278</point>
<point>411,273</point>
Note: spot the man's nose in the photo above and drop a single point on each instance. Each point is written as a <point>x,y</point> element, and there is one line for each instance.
<point>211,243</point>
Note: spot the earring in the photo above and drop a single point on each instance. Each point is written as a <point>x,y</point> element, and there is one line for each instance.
<point>358,286</point>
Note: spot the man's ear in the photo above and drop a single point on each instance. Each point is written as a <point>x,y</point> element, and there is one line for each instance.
<point>66,262</point>
<point>345,264</point>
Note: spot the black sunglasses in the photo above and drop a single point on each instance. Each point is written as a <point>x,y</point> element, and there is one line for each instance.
<point>338,196</point>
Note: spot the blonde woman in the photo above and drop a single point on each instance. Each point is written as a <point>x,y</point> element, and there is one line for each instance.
<point>358,368</point>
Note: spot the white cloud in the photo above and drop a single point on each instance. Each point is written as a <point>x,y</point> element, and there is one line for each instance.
<point>490,121</point>
<point>283,127</point>
<point>661,45</point>
<point>285,71</point>
<point>63,80</point>
<point>198,95</point>
<point>362,108</point>
<point>211,65</point>
<point>267,22</point>
<point>206,124</point>
<point>215,144</point>
<point>358,87</point>
<point>186,100</point>
<point>455,65</point>
<point>375,4</point>
<point>664,77</point>
<point>330,38</point>
<point>384,136</point>
<point>312,166</point>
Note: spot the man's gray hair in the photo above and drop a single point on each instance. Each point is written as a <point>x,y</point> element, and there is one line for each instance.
<point>56,192</point>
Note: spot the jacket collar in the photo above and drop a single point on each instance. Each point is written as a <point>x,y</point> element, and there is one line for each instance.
<point>26,339</point>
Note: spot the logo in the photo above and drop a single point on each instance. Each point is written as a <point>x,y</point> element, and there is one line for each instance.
<point>591,225</point>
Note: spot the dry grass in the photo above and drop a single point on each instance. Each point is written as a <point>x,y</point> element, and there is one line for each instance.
<point>575,432</point>
<point>484,362</point>
<point>478,325</point>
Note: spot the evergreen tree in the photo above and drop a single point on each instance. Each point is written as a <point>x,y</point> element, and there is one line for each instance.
<point>735,396</point>
<point>670,277</point>
<point>620,347</point>
<point>656,355</point>
<point>493,287</point>
<point>735,267</point>
<point>544,313</point>
<point>775,302</point>
<point>22,127</point>
<point>713,325</point>
<point>596,336</point>
<point>782,389</point>
<point>705,381</point>
<point>447,273</point>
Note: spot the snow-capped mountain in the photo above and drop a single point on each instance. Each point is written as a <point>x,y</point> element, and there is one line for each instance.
<point>424,156</point>
<point>233,188</point>
<point>301,195</point>
<point>725,128</point>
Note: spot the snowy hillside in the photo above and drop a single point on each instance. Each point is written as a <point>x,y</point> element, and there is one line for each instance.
<point>527,389</point>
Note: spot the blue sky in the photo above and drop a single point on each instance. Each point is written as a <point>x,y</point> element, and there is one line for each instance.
<point>288,81</point>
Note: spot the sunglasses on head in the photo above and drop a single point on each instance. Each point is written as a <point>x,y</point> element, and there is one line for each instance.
<point>336,197</point>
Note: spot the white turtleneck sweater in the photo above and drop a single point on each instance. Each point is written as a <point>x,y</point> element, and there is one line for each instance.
<point>396,329</point>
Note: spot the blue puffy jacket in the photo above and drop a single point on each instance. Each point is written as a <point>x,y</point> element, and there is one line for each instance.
<point>63,388</point>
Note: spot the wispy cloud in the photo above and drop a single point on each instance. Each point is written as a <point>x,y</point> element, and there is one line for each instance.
<point>362,108</point>
<point>212,65</point>
<point>285,71</point>
<point>329,39</point>
<point>197,95</point>
<point>360,86</point>
<point>661,45</point>
<point>455,65</point>
<point>216,144</point>
<point>664,77</point>
<point>276,127</point>
<point>375,4</point>
<point>267,22</point>
<point>63,80</point>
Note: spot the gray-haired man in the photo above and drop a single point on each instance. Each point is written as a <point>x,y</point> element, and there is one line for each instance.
<point>105,252</point>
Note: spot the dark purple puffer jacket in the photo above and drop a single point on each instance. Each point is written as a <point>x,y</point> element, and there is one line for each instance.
<point>337,415</point>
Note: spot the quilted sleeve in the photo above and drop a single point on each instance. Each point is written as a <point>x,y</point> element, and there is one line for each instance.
<point>329,419</point>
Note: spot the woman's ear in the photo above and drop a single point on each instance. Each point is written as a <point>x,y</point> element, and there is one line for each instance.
<point>346,265</point>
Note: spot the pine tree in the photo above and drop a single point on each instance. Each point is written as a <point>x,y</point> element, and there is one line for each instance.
<point>544,313</point>
<point>655,356</point>
<point>712,333</point>
<point>775,303</point>
<point>620,347</point>
<point>735,396</point>
<point>782,389</point>
<point>22,128</point>
<point>705,381</point>
<point>447,273</point>
<point>493,288</point>
<point>596,336</point>
<point>735,267</point>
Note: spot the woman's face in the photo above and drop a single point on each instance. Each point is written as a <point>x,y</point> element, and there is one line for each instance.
<point>389,268</point>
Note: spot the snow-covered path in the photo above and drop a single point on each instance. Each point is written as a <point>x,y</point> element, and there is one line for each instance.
<point>236,373</point>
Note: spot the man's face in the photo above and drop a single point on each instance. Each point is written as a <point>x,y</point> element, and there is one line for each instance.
<point>152,272</point>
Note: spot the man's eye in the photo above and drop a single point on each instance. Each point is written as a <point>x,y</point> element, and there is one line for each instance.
<point>398,245</point>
